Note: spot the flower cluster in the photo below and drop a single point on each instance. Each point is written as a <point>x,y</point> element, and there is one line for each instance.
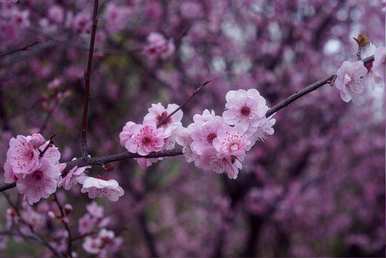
<point>353,75</point>
<point>156,133</point>
<point>214,143</point>
<point>101,242</point>
<point>219,143</point>
<point>33,163</point>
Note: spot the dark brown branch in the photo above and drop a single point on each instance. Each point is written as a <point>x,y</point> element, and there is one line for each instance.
<point>41,154</point>
<point>299,94</point>
<point>20,49</point>
<point>87,79</point>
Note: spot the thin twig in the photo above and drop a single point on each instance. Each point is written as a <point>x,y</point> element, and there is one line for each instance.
<point>20,49</point>
<point>34,235</point>
<point>87,79</point>
<point>50,141</point>
<point>66,226</point>
<point>164,120</point>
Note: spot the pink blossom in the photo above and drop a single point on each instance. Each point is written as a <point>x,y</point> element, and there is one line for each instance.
<point>87,223</point>
<point>158,115</point>
<point>204,132</point>
<point>117,17</point>
<point>231,141</point>
<point>184,139</point>
<point>143,139</point>
<point>75,175</point>
<point>82,22</point>
<point>158,46</point>
<point>379,65</point>
<point>20,18</point>
<point>92,245</point>
<point>95,210</point>
<point>41,183</point>
<point>226,164</point>
<point>56,14</point>
<point>261,129</point>
<point>103,244</point>
<point>244,107</point>
<point>125,136</point>
<point>22,156</point>
<point>102,188</point>
<point>350,79</point>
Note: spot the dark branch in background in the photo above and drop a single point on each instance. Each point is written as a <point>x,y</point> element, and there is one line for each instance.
<point>85,161</point>
<point>33,234</point>
<point>20,49</point>
<point>87,79</point>
<point>65,224</point>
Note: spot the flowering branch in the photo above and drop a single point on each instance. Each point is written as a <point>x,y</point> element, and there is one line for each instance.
<point>98,161</point>
<point>87,78</point>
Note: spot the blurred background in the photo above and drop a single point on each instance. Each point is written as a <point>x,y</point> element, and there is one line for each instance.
<point>315,188</point>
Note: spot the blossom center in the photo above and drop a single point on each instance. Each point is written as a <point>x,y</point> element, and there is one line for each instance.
<point>29,154</point>
<point>211,137</point>
<point>245,111</point>
<point>347,79</point>
<point>234,147</point>
<point>37,175</point>
<point>146,140</point>
<point>163,118</point>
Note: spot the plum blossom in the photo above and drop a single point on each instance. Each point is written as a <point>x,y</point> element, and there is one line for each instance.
<point>157,133</point>
<point>231,141</point>
<point>244,108</point>
<point>104,244</point>
<point>41,183</point>
<point>82,22</point>
<point>350,80</point>
<point>204,131</point>
<point>220,143</point>
<point>96,187</point>
<point>93,218</point>
<point>158,46</point>
<point>22,156</point>
<point>33,163</point>
<point>75,175</point>
<point>86,223</point>
<point>159,116</point>
<point>95,210</point>
<point>379,65</point>
<point>56,14</point>
<point>148,139</point>
<point>116,17</point>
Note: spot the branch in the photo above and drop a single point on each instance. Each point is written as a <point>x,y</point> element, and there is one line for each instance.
<point>164,120</point>
<point>20,49</point>
<point>66,225</point>
<point>87,78</point>
<point>85,161</point>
